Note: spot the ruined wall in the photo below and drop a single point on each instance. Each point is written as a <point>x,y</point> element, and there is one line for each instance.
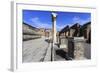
<point>30,32</point>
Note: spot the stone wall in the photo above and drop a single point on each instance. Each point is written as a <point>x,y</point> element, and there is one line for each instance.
<point>71,47</point>
<point>76,48</point>
<point>30,32</point>
<point>79,48</point>
<point>86,31</point>
<point>63,43</point>
<point>75,39</point>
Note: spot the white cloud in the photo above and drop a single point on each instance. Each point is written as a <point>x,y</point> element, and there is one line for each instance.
<point>80,21</point>
<point>35,20</point>
<point>60,27</point>
<point>37,23</point>
<point>76,19</point>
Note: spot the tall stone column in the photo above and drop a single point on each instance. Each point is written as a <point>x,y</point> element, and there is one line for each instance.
<point>54,15</point>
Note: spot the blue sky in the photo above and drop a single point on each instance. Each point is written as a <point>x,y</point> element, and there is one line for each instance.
<point>42,19</point>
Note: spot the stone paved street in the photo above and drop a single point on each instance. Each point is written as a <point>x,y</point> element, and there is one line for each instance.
<point>36,50</point>
<point>39,50</point>
<point>59,54</point>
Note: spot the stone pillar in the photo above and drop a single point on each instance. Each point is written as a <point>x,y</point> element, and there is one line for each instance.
<point>71,47</point>
<point>79,48</point>
<point>54,15</point>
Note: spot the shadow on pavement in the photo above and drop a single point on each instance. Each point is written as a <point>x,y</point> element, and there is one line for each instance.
<point>63,54</point>
<point>48,41</point>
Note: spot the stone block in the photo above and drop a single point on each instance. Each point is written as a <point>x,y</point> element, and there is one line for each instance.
<point>79,48</point>
<point>63,43</point>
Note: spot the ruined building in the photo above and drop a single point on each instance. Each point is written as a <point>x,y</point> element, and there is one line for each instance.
<point>74,30</point>
<point>30,32</point>
<point>86,31</point>
<point>74,38</point>
<point>77,30</point>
